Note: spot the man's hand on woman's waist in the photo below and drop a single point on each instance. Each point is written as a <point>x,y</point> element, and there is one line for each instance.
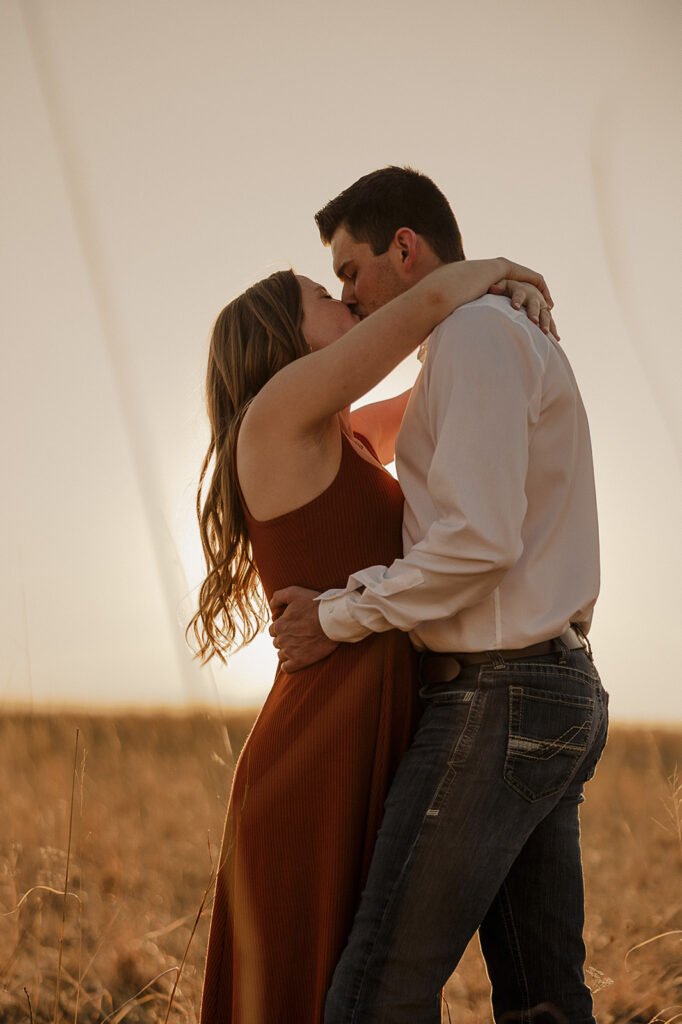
<point>296,630</point>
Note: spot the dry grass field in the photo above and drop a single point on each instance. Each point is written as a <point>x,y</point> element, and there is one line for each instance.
<point>148,804</point>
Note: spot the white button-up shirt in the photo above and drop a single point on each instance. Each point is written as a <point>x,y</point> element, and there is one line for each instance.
<point>500,522</point>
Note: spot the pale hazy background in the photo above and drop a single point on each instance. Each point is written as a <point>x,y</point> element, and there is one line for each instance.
<point>158,157</point>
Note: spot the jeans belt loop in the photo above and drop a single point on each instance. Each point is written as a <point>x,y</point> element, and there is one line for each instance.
<point>563,649</point>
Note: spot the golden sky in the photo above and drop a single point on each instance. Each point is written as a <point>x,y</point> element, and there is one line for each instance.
<point>160,157</point>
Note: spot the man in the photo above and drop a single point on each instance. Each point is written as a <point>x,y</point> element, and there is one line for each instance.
<point>497,586</point>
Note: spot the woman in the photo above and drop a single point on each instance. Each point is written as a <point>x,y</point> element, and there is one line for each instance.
<point>296,497</point>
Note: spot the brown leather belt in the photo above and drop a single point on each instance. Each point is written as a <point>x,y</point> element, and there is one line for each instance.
<point>440,668</point>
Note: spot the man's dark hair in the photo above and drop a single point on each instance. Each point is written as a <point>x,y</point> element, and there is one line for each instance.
<point>376,205</point>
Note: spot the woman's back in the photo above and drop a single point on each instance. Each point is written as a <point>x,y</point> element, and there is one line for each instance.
<point>356,521</point>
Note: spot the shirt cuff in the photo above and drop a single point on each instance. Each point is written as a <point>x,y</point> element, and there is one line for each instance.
<point>336,618</point>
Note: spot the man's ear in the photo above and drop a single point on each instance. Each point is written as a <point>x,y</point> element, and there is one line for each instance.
<point>404,249</point>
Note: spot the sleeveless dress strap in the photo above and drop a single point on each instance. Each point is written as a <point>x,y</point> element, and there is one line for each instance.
<point>366,443</point>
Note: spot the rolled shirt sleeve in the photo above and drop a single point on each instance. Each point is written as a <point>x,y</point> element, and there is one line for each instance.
<point>483,380</point>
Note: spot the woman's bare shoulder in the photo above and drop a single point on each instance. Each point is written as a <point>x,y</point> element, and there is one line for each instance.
<point>279,467</point>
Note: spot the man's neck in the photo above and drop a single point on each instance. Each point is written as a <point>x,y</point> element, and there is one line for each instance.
<point>426,262</point>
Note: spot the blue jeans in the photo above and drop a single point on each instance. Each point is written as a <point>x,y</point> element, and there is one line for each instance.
<point>481,831</point>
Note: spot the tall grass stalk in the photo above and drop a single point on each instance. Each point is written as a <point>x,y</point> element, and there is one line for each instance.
<point>80,902</point>
<point>66,881</point>
<point>30,1008</point>
<point>189,942</point>
<point>115,1015</point>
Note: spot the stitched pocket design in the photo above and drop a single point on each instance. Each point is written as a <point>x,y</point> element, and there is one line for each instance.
<point>467,711</point>
<point>548,736</point>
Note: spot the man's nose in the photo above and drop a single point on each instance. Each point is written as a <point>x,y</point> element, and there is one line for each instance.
<point>348,294</point>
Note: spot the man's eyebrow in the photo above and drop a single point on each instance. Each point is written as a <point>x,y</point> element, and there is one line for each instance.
<point>339,271</point>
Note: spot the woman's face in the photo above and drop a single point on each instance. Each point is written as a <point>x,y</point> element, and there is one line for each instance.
<point>324,319</point>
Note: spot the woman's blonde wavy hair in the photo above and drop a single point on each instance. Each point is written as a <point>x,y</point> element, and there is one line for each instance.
<point>254,337</point>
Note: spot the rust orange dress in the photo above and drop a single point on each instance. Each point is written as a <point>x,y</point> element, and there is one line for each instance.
<point>309,787</point>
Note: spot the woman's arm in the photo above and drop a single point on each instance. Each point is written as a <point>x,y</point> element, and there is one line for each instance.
<point>379,422</point>
<point>308,392</point>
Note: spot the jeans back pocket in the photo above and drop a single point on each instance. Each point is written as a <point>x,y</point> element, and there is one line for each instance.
<point>548,736</point>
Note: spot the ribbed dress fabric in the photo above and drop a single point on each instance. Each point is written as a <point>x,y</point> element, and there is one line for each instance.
<point>308,791</point>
